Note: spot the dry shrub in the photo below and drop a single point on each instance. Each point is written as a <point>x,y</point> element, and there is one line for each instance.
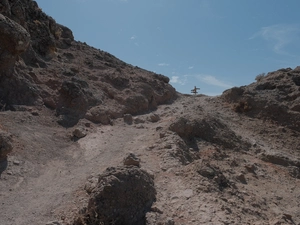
<point>259,77</point>
<point>241,107</point>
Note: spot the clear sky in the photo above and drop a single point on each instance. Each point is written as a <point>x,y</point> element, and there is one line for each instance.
<point>213,44</point>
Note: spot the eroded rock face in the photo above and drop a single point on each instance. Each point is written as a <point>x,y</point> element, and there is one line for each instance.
<point>70,77</point>
<point>4,7</point>
<point>274,97</point>
<point>212,173</point>
<point>28,37</point>
<point>206,128</point>
<point>122,196</point>
<point>43,29</point>
<point>14,40</point>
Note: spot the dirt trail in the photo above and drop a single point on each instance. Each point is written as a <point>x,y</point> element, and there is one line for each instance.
<point>47,170</point>
<point>52,167</point>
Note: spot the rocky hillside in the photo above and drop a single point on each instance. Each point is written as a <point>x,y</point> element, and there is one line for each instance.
<point>86,139</point>
<point>274,97</point>
<point>41,64</point>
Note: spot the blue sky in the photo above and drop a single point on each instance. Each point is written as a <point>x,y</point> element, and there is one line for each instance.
<point>213,44</point>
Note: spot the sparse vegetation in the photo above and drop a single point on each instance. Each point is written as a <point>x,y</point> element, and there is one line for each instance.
<point>242,106</point>
<point>259,77</point>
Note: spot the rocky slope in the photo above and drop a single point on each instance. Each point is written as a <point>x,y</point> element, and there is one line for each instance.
<point>274,97</point>
<point>70,114</point>
<point>41,64</point>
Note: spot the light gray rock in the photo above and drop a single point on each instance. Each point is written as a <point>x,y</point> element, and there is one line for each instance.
<point>79,132</point>
<point>154,118</point>
<point>241,178</point>
<point>131,160</point>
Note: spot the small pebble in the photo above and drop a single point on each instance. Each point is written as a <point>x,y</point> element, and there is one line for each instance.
<point>16,162</point>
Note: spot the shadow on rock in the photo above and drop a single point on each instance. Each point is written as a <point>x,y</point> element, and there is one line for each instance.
<point>122,196</point>
<point>208,129</point>
<point>3,165</point>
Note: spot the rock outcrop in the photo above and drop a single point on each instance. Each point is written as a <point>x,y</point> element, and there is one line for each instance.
<point>72,78</point>
<point>122,196</point>
<point>275,97</point>
<point>14,40</point>
<point>190,127</point>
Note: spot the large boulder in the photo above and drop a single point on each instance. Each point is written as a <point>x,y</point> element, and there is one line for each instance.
<point>123,196</point>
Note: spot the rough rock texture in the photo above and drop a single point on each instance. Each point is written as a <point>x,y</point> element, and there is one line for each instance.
<point>193,127</point>
<point>72,78</point>
<point>14,40</point>
<point>238,170</point>
<point>128,118</point>
<point>46,35</point>
<point>79,132</point>
<point>131,160</point>
<point>232,159</point>
<point>5,144</point>
<point>274,97</point>
<point>122,196</point>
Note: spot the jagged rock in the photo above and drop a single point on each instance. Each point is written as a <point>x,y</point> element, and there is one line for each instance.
<point>280,159</point>
<point>282,219</point>
<point>5,7</point>
<point>122,196</point>
<point>151,218</point>
<point>294,171</point>
<point>208,129</point>
<point>98,115</point>
<point>154,118</point>
<point>73,101</point>
<point>206,171</point>
<point>221,181</point>
<point>128,118</point>
<point>213,173</point>
<point>135,103</point>
<point>131,160</point>
<point>241,177</point>
<point>73,96</point>
<point>5,144</point>
<point>91,184</point>
<point>275,97</point>
<point>183,127</point>
<point>138,120</point>
<point>79,132</point>
<point>251,168</point>
<point>169,221</point>
<point>14,40</point>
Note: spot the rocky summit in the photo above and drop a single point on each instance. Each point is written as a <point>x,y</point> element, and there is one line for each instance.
<point>88,139</point>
